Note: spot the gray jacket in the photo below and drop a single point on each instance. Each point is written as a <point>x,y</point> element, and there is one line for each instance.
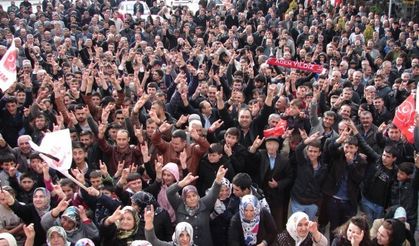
<point>84,230</point>
<point>199,221</point>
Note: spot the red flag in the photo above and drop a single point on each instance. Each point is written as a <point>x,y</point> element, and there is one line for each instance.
<point>8,68</point>
<point>404,118</point>
<point>314,68</point>
<point>276,131</point>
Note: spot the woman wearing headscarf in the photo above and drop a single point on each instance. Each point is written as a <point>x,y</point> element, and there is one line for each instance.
<point>30,213</point>
<point>162,225</point>
<point>165,177</point>
<point>301,232</point>
<point>252,225</point>
<point>85,242</point>
<point>183,235</point>
<point>8,238</point>
<point>193,209</point>
<point>73,219</point>
<point>221,215</point>
<point>121,228</point>
<point>56,236</point>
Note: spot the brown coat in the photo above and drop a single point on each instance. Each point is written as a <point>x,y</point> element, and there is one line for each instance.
<point>130,155</point>
<point>194,152</point>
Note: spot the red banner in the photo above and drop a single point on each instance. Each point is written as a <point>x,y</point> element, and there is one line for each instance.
<point>404,118</point>
<point>314,68</point>
<point>276,131</point>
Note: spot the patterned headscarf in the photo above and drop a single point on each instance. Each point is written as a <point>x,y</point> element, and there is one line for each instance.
<point>185,191</point>
<point>122,234</point>
<point>250,228</point>
<point>60,231</point>
<point>292,224</point>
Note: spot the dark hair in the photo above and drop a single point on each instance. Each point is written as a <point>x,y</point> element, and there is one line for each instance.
<point>85,133</point>
<point>179,134</point>
<point>133,176</point>
<point>35,156</point>
<point>152,85</point>
<point>298,103</point>
<point>215,148</point>
<point>234,131</point>
<point>68,182</point>
<point>11,99</point>
<point>242,180</point>
<point>396,231</point>
<point>391,150</point>
<point>8,157</point>
<point>330,114</point>
<point>107,185</point>
<point>79,145</point>
<point>360,222</point>
<point>95,174</point>
<point>351,141</point>
<point>407,167</point>
<point>26,175</point>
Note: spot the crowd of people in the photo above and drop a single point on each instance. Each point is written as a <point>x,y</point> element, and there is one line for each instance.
<point>167,114</point>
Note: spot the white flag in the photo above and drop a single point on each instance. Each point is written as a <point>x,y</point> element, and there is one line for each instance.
<point>58,145</point>
<point>8,68</point>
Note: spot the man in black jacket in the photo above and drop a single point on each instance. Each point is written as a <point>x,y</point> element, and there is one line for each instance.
<point>341,185</point>
<point>379,177</point>
<point>311,171</point>
<point>274,175</point>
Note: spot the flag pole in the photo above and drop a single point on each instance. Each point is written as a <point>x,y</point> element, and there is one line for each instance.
<point>74,180</point>
<point>66,174</point>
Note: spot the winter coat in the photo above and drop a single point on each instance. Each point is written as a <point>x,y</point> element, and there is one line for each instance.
<point>199,221</point>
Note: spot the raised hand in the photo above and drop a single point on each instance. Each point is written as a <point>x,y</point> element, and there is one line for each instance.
<point>149,217</point>
<point>12,171</point>
<point>6,198</point>
<point>158,165</point>
<point>29,231</point>
<point>188,179</point>
<point>78,175</point>
<point>194,134</point>
<point>165,127</point>
<point>256,143</point>
<point>82,213</point>
<point>93,192</point>
<point>61,207</point>
<point>303,133</point>
<point>117,215</point>
<point>215,126</point>
<point>227,150</point>
<point>220,174</point>
<point>357,238</point>
<point>145,153</point>
<point>101,130</point>
<point>313,137</point>
<point>182,159</point>
<point>103,168</point>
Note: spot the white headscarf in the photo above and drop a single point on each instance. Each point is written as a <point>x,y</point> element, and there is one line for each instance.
<point>181,227</point>
<point>9,238</point>
<point>292,226</point>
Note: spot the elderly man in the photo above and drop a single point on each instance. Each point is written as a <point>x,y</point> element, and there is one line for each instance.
<point>22,152</point>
